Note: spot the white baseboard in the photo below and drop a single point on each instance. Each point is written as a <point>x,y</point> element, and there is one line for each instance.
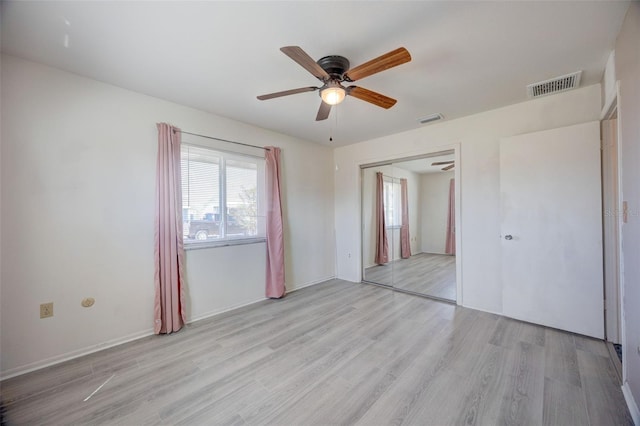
<point>48,362</point>
<point>631,403</point>
<point>310,283</point>
<point>222,311</point>
<point>125,339</point>
<point>488,311</point>
<point>242,305</point>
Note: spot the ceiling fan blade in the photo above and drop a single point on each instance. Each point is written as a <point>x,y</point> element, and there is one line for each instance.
<point>300,56</point>
<point>381,63</point>
<point>442,163</point>
<point>286,93</point>
<point>449,167</point>
<point>371,97</point>
<point>323,111</point>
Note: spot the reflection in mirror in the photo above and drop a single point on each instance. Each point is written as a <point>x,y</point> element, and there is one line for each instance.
<point>408,217</point>
<point>378,248</point>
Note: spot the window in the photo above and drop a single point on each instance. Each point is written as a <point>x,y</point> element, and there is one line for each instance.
<point>222,196</point>
<point>392,206</point>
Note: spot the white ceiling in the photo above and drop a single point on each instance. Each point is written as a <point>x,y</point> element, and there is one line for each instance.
<point>424,165</point>
<point>218,56</point>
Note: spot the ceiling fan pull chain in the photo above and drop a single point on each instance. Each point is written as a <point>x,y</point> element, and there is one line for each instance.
<point>335,127</point>
<point>331,129</point>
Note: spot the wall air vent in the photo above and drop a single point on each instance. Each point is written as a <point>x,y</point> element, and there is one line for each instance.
<point>554,85</point>
<point>430,118</point>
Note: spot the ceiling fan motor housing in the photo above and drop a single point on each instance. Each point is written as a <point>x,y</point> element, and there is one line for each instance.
<point>334,65</point>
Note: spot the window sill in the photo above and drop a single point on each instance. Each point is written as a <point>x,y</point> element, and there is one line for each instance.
<point>224,243</point>
<point>394,227</point>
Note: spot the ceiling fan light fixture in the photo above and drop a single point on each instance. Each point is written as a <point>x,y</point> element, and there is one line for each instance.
<point>333,93</point>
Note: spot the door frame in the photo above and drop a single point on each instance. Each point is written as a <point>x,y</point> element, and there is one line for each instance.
<point>433,151</point>
<point>613,261</point>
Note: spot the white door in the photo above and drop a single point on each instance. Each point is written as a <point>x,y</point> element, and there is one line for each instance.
<point>552,228</point>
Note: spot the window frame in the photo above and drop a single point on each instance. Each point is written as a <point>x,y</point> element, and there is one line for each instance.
<point>392,209</point>
<point>223,208</point>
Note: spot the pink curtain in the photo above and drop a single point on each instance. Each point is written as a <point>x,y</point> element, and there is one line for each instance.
<point>169,314</point>
<point>450,246</point>
<point>275,236</point>
<point>405,242</point>
<point>382,245</point>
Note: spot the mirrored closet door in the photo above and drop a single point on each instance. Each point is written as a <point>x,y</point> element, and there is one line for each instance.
<point>408,225</point>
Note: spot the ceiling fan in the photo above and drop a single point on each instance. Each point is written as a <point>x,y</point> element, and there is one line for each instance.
<point>451,164</point>
<point>334,70</point>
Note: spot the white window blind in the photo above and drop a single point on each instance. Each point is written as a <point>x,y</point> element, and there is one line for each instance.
<point>222,195</point>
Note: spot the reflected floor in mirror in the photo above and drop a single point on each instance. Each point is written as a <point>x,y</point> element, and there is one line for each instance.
<point>424,273</point>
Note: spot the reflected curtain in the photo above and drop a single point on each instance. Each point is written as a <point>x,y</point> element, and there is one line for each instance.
<point>275,283</point>
<point>450,246</point>
<point>169,307</point>
<point>382,245</point>
<point>405,241</point>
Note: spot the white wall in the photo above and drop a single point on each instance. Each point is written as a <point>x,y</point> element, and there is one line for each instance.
<point>627,69</point>
<point>368,213</point>
<point>478,136</point>
<point>609,79</point>
<point>434,201</point>
<point>78,189</point>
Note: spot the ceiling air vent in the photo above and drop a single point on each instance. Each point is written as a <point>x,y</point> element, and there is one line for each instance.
<point>554,85</point>
<point>430,118</point>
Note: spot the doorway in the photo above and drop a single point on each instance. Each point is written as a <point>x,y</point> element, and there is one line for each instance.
<point>409,225</point>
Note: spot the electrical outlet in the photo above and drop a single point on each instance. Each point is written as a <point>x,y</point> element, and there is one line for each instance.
<point>46,310</point>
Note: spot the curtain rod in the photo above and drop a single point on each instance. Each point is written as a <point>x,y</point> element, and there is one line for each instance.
<point>390,177</point>
<point>222,140</point>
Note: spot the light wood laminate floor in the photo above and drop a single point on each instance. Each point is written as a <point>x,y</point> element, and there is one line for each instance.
<point>334,353</point>
<point>425,273</point>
